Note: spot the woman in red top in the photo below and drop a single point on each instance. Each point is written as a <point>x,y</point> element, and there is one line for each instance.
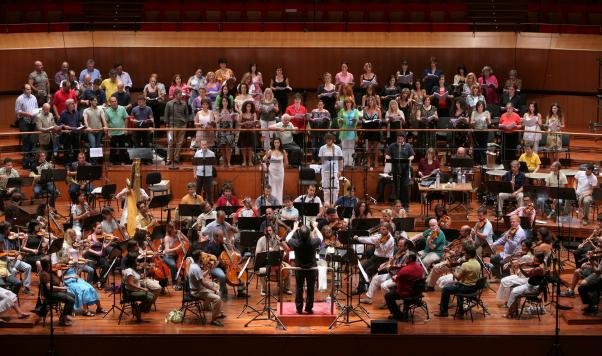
<point>510,123</point>
<point>489,83</point>
<point>176,83</point>
<point>442,97</point>
<point>299,119</point>
<point>429,164</point>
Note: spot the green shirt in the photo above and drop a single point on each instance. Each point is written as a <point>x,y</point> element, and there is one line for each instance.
<point>116,120</point>
<point>439,242</point>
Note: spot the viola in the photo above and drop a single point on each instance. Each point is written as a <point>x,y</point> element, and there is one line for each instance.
<point>183,246</point>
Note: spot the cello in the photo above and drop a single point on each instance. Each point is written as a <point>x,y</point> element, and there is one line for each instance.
<point>231,261</point>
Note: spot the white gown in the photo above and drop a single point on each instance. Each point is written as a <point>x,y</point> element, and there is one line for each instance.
<point>276,176</point>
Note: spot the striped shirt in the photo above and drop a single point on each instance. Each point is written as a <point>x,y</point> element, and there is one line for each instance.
<point>26,103</point>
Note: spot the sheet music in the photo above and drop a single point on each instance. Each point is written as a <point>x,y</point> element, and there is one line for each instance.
<point>363,272</point>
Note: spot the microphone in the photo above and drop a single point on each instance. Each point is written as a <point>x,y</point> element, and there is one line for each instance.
<point>194,195</point>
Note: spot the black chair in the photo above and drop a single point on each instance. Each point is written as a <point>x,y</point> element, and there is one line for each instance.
<point>307,176</point>
<point>156,184</point>
<point>107,195</point>
<point>126,302</point>
<point>192,304</point>
<point>416,300</point>
<point>48,303</point>
<point>472,300</point>
<point>537,298</point>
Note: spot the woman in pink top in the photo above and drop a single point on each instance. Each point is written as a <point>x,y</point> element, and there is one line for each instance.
<point>489,83</point>
<point>344,77</point>
<point>176,83</point>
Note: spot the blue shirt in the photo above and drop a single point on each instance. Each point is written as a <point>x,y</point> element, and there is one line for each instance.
<point>141,114</point>
<point>94,74</point>
<point>519,179</point>
<point>71,119</point>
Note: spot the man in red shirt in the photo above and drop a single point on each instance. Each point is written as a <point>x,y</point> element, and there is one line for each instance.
<point>404,283</point>
<point>61,96</point>
<point>510,122</point>
<point>298,114</point>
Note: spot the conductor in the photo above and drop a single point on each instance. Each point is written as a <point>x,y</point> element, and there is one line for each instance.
<point>401,154</point>
<point>305,244</point>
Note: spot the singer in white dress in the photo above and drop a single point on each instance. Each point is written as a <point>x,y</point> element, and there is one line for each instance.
<point>277,159</point>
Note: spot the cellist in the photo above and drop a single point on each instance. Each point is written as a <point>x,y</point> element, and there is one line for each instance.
<point>175,246</point>
<point>216,247</point>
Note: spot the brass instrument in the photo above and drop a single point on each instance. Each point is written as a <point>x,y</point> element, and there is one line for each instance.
<point>346,186</point>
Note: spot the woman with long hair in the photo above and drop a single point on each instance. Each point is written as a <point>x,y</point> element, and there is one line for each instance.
<point>276,159</point>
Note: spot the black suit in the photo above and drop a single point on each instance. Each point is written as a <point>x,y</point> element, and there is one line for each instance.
<point>305,257</point>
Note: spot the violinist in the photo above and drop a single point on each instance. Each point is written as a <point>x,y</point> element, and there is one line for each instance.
<point>511,240</point>
<point>398,210</point>
<point>9,243</point>
<point>586,268</point>
<point>247,210</point>
<point>216,247</point>
<point>145,220</point>
<point>72,251</point>
<point>201,287</point>
<point>482,231</point>
<point>525,260</point>
<point>443,219</point>
<point>384,244</point>
<point>435,243</point>
<point>79,212</point>
<point>76,187</point>
<point>270,241</point>
<point>589,289</point>
<point>266,199</point>
<point>208,213</point>
<point>95,248</point>
<point>137,287</point>
<point>173,244</point>
<point>331,218</point>
<point>453,255</point>
<point>272,219</point>
<point>330,239</point>
<point>383,279</point>
<point>517,179</point>
<point>587,245</point>
<point>387,217</point>
<point>34,245</point>
<point>527,210</point>
<point>59,292</point>
<point>542,242</point>
<point>537,270</point>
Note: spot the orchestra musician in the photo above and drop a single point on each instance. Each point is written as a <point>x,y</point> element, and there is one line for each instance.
<point>589,289</point>
<point>227,198</point>
<point>85,294</point>
<point>384,244</point>
<point>443,219</point>
<point>387,217</point>
<point>331,219</point>
<point>585,182</point>
<point>435,243</point>
<point>75,186</point>
<point>9,243</point>
<point>247,210</point>
<point>215,247</point>
<point>72,251</point>
<point>138,287</point>
<point>404,284</point>
<point>219,224</point>
<point>349,200</point>
<point>398,210</point>
<point>383,279</point>
<point>305,243</point>
<point>266,199</point>
<point>8,300</point>
<point>123,201</point>
<point>453,255</point>
<point>272,219</point>
<point>466,277</point>
<point>173,243</point>
<point>59,292</point>
<point>95,249</point>
<point>587,245</point>
<point>7,172</point>
<point>511,240</point>
<point>518,278</point>
<point>537,270</point>
<point>34,245</point>
<point>527,210</point>
<point>332,158</point>
<point>554,179</point>
<point>586,268</point>
<point>482,231</point>
<point>270,241</point>
<point>517,178</point>
<point>145,220</point>
<point>288,211</point>
<point>108,223</point>
<point>39,187</point>
<point>201,287</point>
<point>208,213</point>
<point>191,197</point>
<point>80,211</point>
<point>310,197</point>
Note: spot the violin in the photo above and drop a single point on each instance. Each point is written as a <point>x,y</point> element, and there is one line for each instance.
<point>510,234</point>
<point>383,239</point>
<point>445,221</point>
<point>10,254</point>
<point>60,267</point>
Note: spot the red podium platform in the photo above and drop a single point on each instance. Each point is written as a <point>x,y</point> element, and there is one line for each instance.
<point>322,315</point>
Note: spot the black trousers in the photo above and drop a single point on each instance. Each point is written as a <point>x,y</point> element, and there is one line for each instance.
<point>371,267</point>
<point>302,277</point>
<point>206,184</point>
<point>64,297</point>
<point>580,254</point>
<point>391,299</point>
<point>590,293</point>
<point>118,152</point>
<point>510,141</point>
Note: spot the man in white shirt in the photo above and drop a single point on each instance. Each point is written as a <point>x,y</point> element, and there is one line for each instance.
<point>204,173</point>
<point>511,240</point>
<point>310,197</point>
<point>585,182</point>
<point>384,244</point>
<point>26,107</point>
<point>123,76</point>
<point>332,158</point>
<point>271,242</point>
<point>483,231</point>
<point>555,179</point>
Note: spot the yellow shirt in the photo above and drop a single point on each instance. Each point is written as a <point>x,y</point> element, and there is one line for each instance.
<point>3,268</point>
<point>532,161</point>
<point>470,272</point>
<point>109,87</point>
<point>189,199</point>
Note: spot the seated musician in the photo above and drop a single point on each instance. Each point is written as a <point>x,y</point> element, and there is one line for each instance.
<point>71,253</point>
<point>331,218</point>
<point>191,197</point>
<point>80,211</point>
<point>75,186</point>
<point>554,179</point>
<point>34,245</point>
<point>587,245</point>
<point>467,276</point>
<point>511,240</point>
<point>531,158</point>
<point>7,278</point>
<point>483,231</point>
<point>387,217</point>
<point>173,244</point>
<point>384,244</point>
<point>145,220</point>
<point>443,219</point>
<point>96,250</point>
<point>272,242</point>
<point>208,213</point>
<point>7,172</point>
<point>123,201</point>
<point>361,211</point>
<point>349,200</point>
<point>398,210</point>
<point>383,279</point>
<point>589,289</point>
<point>527,210</point>
<point>404,282</point>
<point>272,219</point>
<point>518,277</point>
<point>585,182</point>
<point>40,187</point>
<point>109,224</point>
<point>8,244</point>
<point>310,197</point>
<point>137,287</point>
<point>247,210</point>
<point>216,247</point>
<point>219,224</point>
<point>59,292</point>
<point>227,198</point>
<point>266,199</point>
<point>529,284</point>
<point>585,268</point>
<point>8,300</point>
<point>201,287</point>
<point>542,242</point>
<point>517,178</point>
<point>453,255</point>
<point>434,243</point>
<point>288,211</point>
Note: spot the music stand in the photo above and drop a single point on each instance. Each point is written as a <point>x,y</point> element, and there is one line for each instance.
<point>451,234</point>
<point>228,209</point>
<point>263,208</point>
<point>142,153</point>
<point>365,223</point>
<point>204,161</point>
<point>192,210</point>
<point>249,223</point>
<point>89,222</point>
<point>88,173</point>
<point>160,201</point>
<point>267,259</point>
<point>461,162</point>
<point>331,174</point>
<point>404,224</point>
<point>19,182</point>
<point>114,255</point>
<point>396,172</point>
<point>345,211</point>
<point>566,194</point>
<point>307,209</point>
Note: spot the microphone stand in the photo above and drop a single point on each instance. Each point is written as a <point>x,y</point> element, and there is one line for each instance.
<point>173,145</point>
<point>555,349</point>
